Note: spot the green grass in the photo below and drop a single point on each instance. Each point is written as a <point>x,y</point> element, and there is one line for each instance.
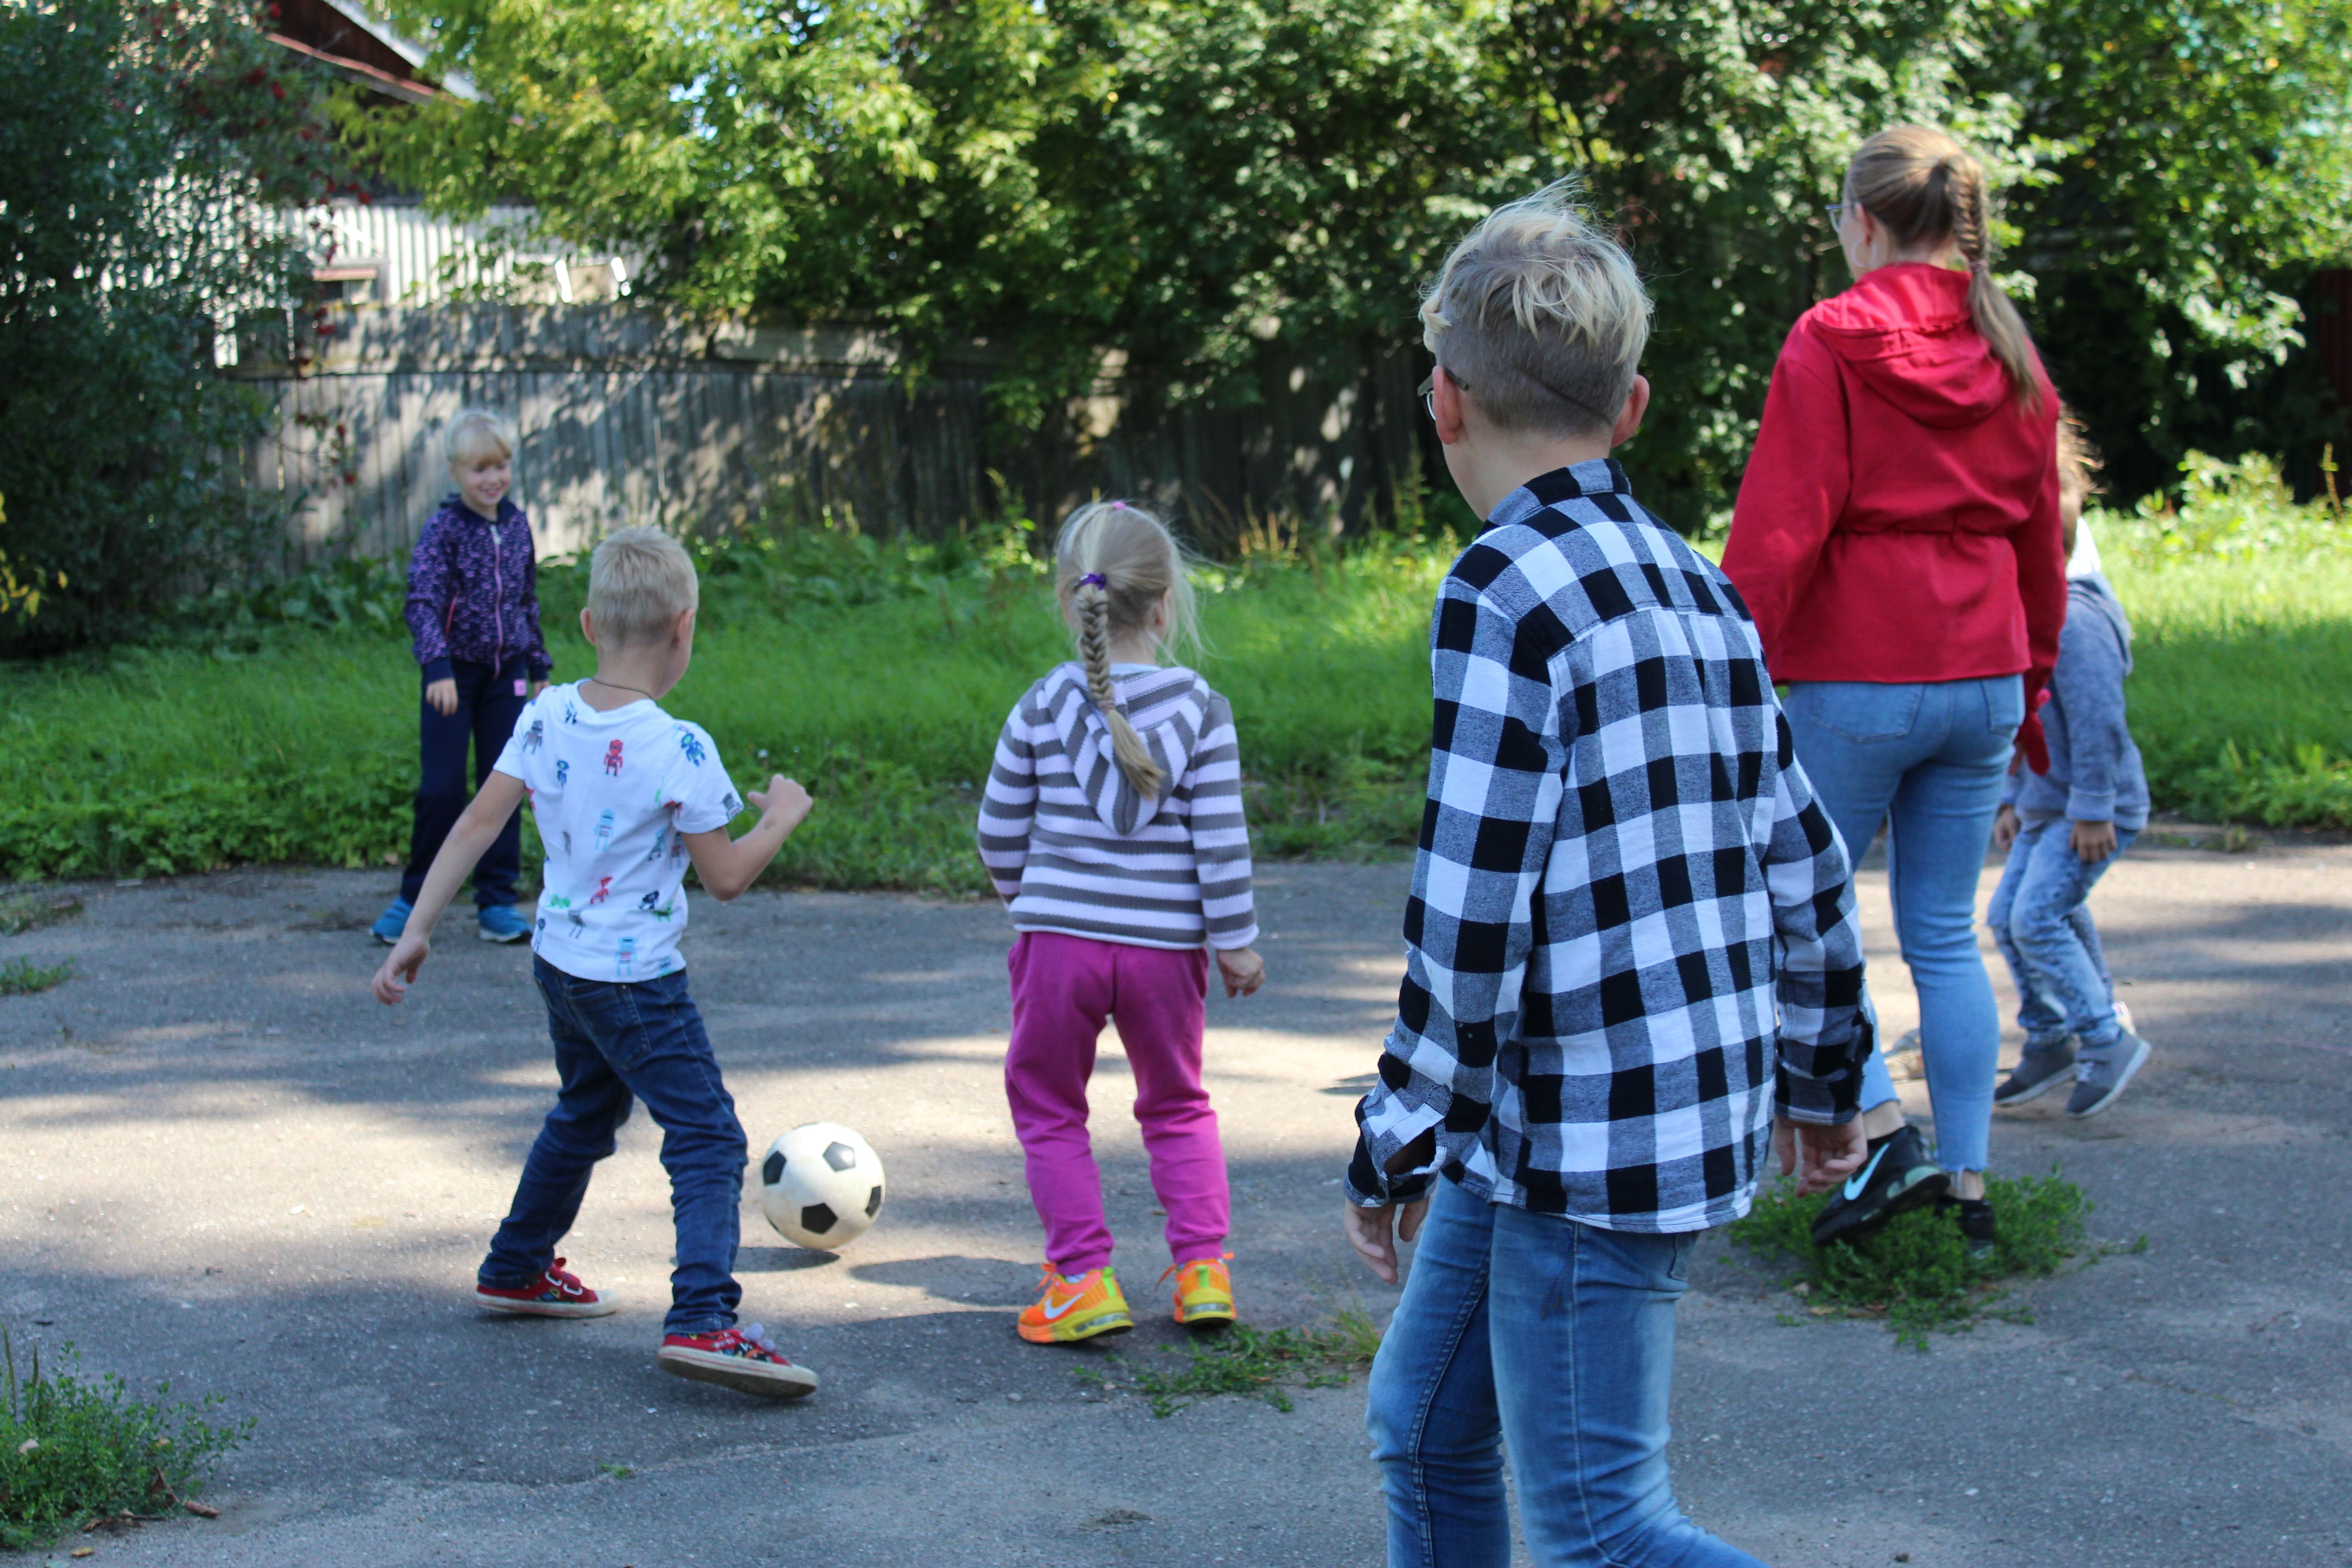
<point>299,745</point>
<point>1915,1273</point>
<point>22,977</point>
<point>1260,1364</point>
<point>282,727</point>
<point>33,908</point>
<point>73,1449</point>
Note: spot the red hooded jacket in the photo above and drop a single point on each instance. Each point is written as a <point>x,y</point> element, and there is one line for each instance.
<point>1898,520</point>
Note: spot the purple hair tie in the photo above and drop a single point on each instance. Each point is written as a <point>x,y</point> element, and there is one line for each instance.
<point>1094,579</point>
<point>1119,506</point>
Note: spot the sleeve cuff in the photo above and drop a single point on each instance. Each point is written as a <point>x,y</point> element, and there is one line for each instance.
<point>438,669</point>
<point>1368,1187</point>
<point>2091,805</point>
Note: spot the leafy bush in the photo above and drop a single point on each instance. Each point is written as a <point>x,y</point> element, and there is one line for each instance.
<point>150,152</point>
<point>73,1450</point>
<point>1916,1272</point>
<point>1219,189</point>
<point>2241,511</point>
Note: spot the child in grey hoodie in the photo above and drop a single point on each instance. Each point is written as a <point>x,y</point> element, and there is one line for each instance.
<point>2064,827</point>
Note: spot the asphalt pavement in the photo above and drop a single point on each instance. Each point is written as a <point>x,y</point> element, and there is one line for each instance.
<point>222,1165</point>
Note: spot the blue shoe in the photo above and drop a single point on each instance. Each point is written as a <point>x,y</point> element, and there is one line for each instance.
<point>503,922</point>
<point>392,922</point>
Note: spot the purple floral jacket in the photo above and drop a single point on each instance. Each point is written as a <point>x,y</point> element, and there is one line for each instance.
<point>473,592</point>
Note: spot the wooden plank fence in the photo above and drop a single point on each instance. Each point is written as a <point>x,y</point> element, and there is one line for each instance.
<point>627,416</point>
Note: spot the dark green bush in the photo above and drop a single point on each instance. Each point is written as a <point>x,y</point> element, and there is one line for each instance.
<point>155,156</point>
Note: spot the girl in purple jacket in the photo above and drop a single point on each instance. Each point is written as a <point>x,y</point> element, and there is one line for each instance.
<point>473,609</point>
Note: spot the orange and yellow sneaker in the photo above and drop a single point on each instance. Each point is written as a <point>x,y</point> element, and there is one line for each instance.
<point>1204,1293</point>
<point>1069,1309</point>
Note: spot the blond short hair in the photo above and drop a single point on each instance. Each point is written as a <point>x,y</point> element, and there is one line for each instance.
<point>1539,318</point>
<point>476,435</point>
<point>639,582</point>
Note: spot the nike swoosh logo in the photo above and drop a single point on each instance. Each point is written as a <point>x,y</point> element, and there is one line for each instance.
<point>1053,1313</point>
<point>1861,1179</point>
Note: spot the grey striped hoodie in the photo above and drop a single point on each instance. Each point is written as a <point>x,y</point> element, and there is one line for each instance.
<point>1073,847</point>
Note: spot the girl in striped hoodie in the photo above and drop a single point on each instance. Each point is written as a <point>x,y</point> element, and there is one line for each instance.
<point>1112,827</point>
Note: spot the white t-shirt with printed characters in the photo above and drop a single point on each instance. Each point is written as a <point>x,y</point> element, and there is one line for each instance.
<point>614,795</point>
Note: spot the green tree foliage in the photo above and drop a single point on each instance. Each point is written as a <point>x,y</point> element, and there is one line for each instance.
<point>149,153</point>
<point>1198,186</point>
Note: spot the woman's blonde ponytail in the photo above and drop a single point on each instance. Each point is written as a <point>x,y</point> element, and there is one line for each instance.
<point>1924,186</point>
<point>1116,563</point>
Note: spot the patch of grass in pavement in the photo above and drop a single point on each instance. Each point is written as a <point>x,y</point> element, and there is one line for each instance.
<point>1264,1364</point>
<point>1916,1273</point>
<point>74,1451</point>
<point>22,977</point>
<point>34,907</point>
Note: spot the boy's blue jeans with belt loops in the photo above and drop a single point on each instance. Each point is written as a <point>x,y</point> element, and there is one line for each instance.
<point>1929,757</point>
<point>1554,1337</point>
<point>616,1043</point>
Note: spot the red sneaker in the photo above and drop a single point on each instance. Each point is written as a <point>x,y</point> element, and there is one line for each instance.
<point>740,1359</point>
<point>553,1294</point>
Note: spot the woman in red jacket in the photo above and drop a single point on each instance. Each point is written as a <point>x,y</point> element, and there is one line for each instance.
<point>1897,541</point>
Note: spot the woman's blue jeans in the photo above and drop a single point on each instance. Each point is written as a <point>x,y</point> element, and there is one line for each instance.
<point>1929,759</point>
<point>1557,1338</point>
<point>614,1043</point>
<point>2042,923</point>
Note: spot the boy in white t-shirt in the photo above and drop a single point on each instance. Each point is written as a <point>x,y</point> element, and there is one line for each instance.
<point>624,795</point>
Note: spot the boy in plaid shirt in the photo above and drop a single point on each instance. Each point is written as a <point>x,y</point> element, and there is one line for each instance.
<point>1631,944</point>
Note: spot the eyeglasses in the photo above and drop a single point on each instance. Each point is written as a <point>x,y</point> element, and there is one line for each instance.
<point>1429,390</point>
<point>1429,397</point>
<point>1837,212</point>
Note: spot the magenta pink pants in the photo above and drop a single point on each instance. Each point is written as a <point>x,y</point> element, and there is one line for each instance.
<point>1064,987</point>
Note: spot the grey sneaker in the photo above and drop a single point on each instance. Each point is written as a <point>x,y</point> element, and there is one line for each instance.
<point>2041,1069</point>
<point>2104,1075</point>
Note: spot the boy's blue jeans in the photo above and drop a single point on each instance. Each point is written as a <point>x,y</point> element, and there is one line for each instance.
<point>1931,757</point>
<point>614,1042</point>
<point>489,702</point>
<point>1557,1338</point>
<point>2041,921</point>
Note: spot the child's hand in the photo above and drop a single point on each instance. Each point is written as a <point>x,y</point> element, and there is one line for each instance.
<point>2093,841</point>
<point>442,695</point>
<point>1819,1157</point>
<point>1243,970</point>
<point>785,802</point>
<point>408,957</point>
<point>2004,829</point>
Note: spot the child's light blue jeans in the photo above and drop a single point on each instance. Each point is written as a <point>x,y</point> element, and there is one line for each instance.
<point>1931,757</point>
<point>2042,923</point>
<point>1557,1338</point>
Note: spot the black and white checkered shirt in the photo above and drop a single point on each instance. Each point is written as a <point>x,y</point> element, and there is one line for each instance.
<point>1631,935</point>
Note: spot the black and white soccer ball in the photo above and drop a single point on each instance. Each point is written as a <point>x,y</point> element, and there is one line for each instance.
<point>821,1186</point>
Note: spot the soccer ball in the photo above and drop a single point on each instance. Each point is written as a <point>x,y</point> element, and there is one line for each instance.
<point>821,1186</point>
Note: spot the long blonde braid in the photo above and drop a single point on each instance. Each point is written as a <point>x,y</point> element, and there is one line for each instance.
<point>1115,563</point>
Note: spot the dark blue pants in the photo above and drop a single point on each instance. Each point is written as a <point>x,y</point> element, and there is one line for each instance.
<point>489,703</point>
<point>614,1042</point>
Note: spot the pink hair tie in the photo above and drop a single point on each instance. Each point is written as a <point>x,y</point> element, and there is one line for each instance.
<point>1093,579</point>
<point>1119,506</point>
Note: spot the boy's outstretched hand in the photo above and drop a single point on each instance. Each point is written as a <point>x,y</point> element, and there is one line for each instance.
<point>1242,969</point>
<point>783,800</point>
<point>399,971</point>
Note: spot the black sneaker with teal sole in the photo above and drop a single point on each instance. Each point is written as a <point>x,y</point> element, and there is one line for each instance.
<point>1899,1174</point>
